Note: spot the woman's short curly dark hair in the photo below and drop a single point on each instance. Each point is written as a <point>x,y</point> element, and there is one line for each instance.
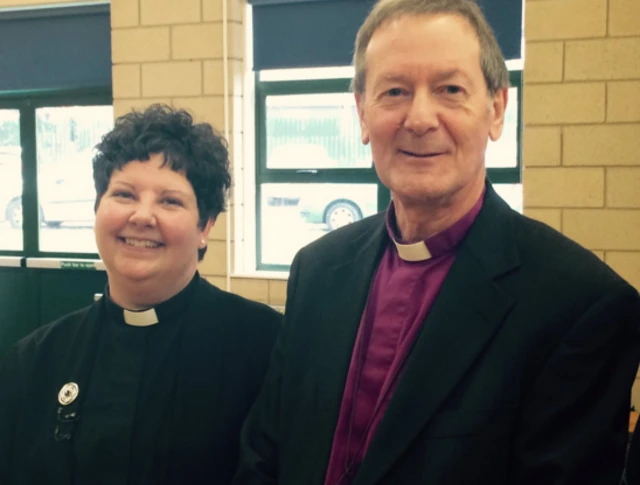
<point>194,149</point>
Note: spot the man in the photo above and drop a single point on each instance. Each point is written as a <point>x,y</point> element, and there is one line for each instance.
<point>450,341</point>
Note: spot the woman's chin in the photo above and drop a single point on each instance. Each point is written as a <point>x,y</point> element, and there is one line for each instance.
<point>135,271</point>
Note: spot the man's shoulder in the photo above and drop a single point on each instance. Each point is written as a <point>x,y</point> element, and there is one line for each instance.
<point>559,257</point>
<point>346,239</point>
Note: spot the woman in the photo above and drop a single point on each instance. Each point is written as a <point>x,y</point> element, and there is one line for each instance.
<point>631,475</point>
<point>150,384</point>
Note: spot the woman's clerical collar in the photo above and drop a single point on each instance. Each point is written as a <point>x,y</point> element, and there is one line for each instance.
<point>167,310</point>
<point>142,318</point>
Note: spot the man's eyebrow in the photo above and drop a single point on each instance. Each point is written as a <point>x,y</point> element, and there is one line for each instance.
<point>451,73</point>
<point>438,76</point>
<point>393,77</point>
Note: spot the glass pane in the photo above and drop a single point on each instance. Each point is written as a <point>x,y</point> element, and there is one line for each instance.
<point>10,180</point>
<point>512,194</point>
<point>504,152</point>
<point>312,131</point>
<point>65,138</point>
<point>293,215</point>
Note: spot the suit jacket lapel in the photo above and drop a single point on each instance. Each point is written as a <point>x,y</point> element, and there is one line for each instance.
<point>467,313</point>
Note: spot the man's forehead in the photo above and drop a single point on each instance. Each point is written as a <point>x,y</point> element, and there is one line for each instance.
<point>445,44</point>
<point>440,26</point>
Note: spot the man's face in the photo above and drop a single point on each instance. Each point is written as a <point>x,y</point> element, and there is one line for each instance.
<point>426,110</point>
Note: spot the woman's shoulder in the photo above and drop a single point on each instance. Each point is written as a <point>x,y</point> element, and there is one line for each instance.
<point>220,301</point>
<point>214,293</point>
<point>37,355</point>
<point>54,335</point>
<point>248,328</point>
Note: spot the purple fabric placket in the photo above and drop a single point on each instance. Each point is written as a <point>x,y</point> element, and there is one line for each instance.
<point>399,300</point>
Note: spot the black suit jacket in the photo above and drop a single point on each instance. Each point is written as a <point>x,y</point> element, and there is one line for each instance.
<point>225,347</point>
<point>521,373</point>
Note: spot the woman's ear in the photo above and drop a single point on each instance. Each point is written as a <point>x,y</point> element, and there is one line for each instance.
<point>204,233</point>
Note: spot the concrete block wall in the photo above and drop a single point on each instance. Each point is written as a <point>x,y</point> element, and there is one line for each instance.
<point>582,126</point>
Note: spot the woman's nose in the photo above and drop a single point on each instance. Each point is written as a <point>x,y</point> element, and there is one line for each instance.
<point>143,215</point>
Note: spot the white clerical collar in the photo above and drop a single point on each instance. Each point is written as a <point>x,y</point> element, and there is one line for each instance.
<point>413,252</point>
<point>143,318</point>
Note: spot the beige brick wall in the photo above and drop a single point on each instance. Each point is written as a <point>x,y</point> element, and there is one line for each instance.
<point>582,126</point>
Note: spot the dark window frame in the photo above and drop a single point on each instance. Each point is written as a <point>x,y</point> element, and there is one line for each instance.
<point>27,106</point>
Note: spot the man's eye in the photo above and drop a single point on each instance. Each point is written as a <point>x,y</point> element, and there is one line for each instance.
<point>452,89</point>
<point>394,92</point>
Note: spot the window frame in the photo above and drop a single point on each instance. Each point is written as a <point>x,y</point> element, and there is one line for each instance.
<point>263,175</point>
<point>27,104</point>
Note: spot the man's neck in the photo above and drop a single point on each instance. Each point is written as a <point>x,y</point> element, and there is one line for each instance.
<point>419,221</point>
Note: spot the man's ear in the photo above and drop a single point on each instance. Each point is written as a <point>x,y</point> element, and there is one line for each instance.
<point>497,110</point>
<point>364,130</point>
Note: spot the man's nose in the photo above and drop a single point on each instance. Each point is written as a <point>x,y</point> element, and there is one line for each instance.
<point>423,114</point>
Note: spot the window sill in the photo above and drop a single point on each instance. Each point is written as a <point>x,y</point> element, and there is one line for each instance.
<point>66,263</point>
<point>262,275</point>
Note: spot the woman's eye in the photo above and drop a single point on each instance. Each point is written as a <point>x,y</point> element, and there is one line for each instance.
<point>172,202</point>
<point>122,193</point>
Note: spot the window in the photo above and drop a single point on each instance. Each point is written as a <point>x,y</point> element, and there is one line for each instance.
<point>65,138</point>
<point>313,174</point>
<point>10,180</point>
<point>49,141</point>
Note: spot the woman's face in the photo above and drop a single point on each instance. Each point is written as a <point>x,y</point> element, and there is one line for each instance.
<point>147,227</point>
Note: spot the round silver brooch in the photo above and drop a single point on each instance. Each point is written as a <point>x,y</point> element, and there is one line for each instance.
<point>68,393</point>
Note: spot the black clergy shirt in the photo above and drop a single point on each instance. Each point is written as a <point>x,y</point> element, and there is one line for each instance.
<point>123,434</point>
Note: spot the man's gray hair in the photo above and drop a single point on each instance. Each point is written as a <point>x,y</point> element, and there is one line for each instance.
<point>492,62</point>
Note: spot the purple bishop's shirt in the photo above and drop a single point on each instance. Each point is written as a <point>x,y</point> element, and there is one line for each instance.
<point>405,286</point>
